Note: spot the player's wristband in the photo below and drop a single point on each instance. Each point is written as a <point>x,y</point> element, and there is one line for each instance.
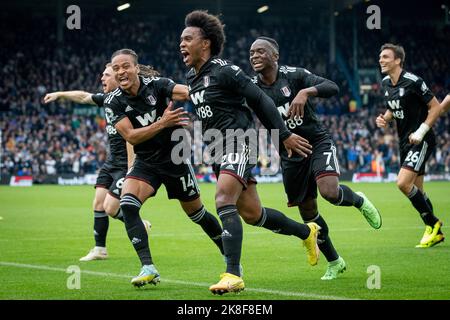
<point>422,131</point>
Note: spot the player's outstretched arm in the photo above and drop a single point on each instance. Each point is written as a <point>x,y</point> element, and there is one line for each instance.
<point>81,97</point>
<point>434,111</point>
<point>445,104</point>
<point>170,118</point>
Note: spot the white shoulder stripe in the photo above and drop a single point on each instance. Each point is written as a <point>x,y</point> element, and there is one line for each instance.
<point>286,69</point>
<point>108,99</point>
<point>113,94</point>
<point>385,78</point>
<point>219,61</point>
<point>115,91</point>
<point>410,76</point>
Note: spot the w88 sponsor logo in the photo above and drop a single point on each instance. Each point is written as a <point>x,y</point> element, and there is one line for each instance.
<point>293,123</point>
<point>204,112</point>
<point>398,114</point>
<point>290,123</point>
<point>111,130</point>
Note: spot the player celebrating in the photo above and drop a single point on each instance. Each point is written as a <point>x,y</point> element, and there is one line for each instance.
<point>138,110</point>
<point>290,89</point>
<point>219,90</point>
<point>415,110</point>
<point>111,176</point>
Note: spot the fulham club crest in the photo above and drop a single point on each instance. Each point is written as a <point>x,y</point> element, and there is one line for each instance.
<point>401,92</point>
<point>286,91</point>
<point>206,81</point>
<point>151,99</point>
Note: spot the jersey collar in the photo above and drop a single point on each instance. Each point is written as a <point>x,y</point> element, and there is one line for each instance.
<point>399,79</point>
<point>263,84</point>
<point>204,66</point>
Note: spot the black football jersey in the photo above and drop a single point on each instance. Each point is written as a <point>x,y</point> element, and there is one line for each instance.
<point>213,92</point>
<point>290,80</point>
<point>143,110</point>
<point>117,146</point>
<point>408,101</point>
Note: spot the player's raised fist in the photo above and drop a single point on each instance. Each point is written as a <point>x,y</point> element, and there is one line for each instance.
<point>381,122</point>
<point>50,97</point>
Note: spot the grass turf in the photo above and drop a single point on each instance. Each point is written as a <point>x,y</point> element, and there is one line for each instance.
<point>46,229</point>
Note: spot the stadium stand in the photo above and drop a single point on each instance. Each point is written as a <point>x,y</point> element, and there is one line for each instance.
<point>61,138</point>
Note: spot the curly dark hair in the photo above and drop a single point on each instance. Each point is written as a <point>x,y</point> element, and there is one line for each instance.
<point>147,71</point>
<point>211,26</point>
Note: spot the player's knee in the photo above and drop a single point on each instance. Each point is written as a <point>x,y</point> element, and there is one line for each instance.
<point>111,207</point>
<point>308,211</point>
<point>404,186</point>
<point>330,193</point>
<point>250,220</point>
<point>224,199</point>
<point>249,215</point>
<point>192,207</point>
<point>109,212</point>
<point>98,205</point>
<point>308,215</point>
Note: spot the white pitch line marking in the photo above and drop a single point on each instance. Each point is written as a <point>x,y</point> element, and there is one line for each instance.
<point>188,283</point>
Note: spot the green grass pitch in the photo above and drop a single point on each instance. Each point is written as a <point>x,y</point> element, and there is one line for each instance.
<point>46,229</point>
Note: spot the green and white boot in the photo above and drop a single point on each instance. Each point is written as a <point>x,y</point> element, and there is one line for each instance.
<point>369,212</point>
<point>334,269</point>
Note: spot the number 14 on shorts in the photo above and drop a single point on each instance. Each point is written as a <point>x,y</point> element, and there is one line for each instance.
<point>187,182</point>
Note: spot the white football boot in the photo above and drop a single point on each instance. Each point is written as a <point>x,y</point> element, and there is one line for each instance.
<point>97,253</point>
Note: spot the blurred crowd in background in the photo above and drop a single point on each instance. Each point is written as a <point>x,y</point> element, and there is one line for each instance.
<point>62,137</point>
